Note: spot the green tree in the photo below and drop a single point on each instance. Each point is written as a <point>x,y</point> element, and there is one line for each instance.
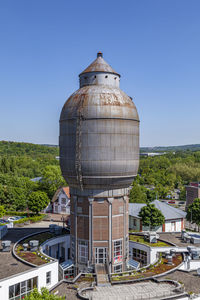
<point>183,194</point>
<point>2,194</point>
<point>193,212</point>
<point>44,295</point>
<point>37,201</point>
<point>16,198</point>
<point>2,211</point>
<point>151,195</point>
<point>151,216</point>
<point>137,194</point>
<point>51,180</point>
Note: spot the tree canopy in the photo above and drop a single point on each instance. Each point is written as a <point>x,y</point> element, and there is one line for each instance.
<point>151,216</point>
<point>37,201</point>
<point>2,211</point>
<point>193,212</point>
<point>44,295</point>
<point>51,180</point>
<point>137,194</point>
<point>19,164</point>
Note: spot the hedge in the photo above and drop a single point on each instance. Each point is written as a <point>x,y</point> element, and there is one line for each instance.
<point>31,219</point>
<point>18,213</point>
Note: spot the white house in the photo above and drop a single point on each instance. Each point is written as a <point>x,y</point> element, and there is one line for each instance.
<point>61,201</point>
<point>174,217</point>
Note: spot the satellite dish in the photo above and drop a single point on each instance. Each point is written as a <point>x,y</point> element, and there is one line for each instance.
<point>198,271</point>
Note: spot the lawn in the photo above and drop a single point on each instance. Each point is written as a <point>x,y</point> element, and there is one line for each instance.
<point>140,239</point>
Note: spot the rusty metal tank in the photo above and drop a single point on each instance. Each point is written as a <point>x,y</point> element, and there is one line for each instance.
<point>99,132</point>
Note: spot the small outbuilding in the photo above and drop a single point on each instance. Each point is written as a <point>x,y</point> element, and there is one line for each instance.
<point>174,217</point>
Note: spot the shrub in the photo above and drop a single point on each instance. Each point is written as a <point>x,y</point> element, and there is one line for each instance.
<point>31,219</point>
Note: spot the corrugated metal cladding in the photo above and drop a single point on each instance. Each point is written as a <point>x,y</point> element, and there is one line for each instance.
<point>99,137</point>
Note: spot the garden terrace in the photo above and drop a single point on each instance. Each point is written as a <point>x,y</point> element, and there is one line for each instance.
<point>9,264</point>
<point>140,239</point>
<point>36,258</point>
<point>151,271</point>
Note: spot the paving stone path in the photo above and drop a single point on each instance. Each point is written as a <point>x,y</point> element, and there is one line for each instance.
<point>145,290</point>
<point>102,277</point>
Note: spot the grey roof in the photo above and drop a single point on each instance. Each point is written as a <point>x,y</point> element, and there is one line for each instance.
<point>66,264</point>
<point>167,210</point>
<point>36,179</point>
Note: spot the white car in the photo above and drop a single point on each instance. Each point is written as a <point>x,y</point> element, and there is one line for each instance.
<point>12,219</point>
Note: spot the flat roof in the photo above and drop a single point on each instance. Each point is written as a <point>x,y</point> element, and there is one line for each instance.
<point>9,264</point>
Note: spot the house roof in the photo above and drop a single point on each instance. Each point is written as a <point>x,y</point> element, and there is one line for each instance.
<point>168,211</point>
<point>64,189</point>
<point>36,179</point>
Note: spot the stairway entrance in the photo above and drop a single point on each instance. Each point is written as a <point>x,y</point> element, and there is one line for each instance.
<point>100,255</point>
<point>102,276</point>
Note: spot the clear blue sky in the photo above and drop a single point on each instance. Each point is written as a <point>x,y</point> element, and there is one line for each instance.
<point>153,44</point>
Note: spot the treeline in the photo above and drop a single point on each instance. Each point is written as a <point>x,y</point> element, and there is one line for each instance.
<point>158,176</point>
<point>33,150</point>
<point>19,164</point>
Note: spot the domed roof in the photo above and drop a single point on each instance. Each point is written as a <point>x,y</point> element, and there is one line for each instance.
<point>99,102</point>
<point>99,65</point>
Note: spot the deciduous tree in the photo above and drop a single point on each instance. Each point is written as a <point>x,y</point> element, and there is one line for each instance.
<point>44,295</point>
<point>37,201</point>
<point>151,216</point>
<point>193,212</point>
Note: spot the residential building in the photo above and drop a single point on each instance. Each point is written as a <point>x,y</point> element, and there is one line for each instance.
<point>60,203</point>
<point>174,217</point>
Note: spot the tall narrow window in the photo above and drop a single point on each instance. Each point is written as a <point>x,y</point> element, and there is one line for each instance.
<point>83,251</point>
<point>48,278</point>
<point>118,251</point>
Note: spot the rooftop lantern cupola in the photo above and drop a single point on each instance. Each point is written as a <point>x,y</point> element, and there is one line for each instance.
<point>99,72</point>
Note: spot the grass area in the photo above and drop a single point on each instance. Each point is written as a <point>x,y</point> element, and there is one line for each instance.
<point>140,239</point>
<point>161,267</point>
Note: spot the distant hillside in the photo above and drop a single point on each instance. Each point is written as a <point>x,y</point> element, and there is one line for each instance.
<point>195,147</point>
<point>16,148</point>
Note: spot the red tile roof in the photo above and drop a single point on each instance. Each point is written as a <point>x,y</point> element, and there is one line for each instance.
<point>66,190</point>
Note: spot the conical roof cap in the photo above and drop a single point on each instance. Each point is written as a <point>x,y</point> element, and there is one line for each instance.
<point>99,65</point>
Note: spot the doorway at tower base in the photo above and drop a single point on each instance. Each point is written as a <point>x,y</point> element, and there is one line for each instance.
<point>99,228</point>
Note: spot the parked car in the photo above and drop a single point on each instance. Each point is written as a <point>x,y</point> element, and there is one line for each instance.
<point>181,203</point>
<point>14,218</point>
<point>171,202</point>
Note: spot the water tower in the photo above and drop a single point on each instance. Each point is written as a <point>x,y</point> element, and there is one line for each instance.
<point>99,157</point>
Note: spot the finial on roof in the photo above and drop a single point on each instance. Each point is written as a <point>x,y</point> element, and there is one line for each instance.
<point>99,54</point>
